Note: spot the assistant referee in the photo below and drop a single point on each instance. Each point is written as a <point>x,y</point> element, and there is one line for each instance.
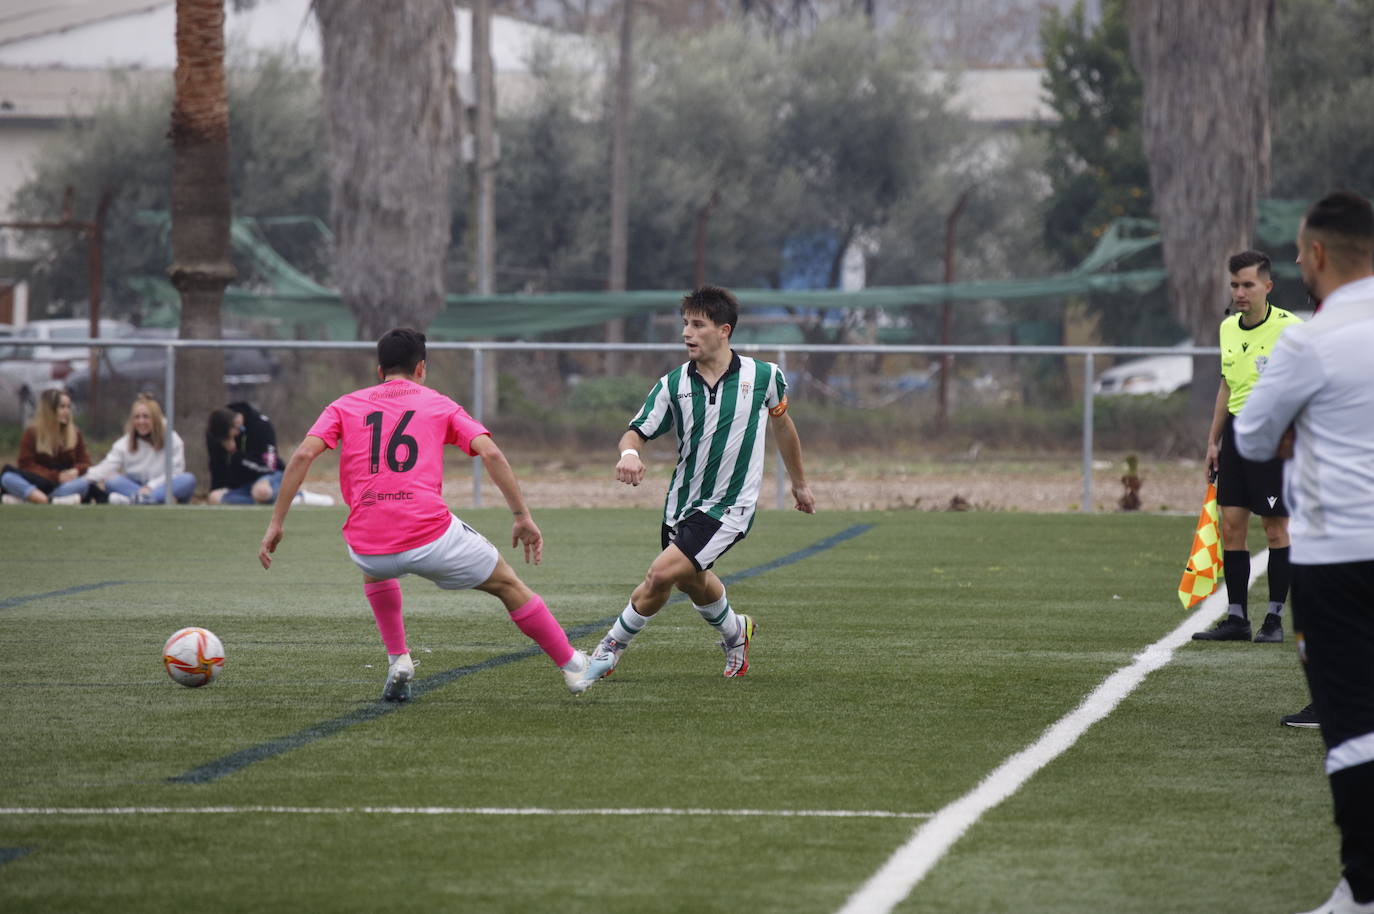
<point>1247,486</point>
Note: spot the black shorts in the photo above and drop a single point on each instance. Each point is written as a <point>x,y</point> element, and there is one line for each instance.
<point>702,539</point>
<point>1256,485</point>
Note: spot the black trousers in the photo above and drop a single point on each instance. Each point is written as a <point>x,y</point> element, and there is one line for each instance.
<point>1333,615</point>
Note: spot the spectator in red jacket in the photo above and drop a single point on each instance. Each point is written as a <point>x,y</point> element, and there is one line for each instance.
<point>53,459</point>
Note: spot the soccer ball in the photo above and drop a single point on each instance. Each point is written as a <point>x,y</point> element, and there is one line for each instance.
<point>193,657</point>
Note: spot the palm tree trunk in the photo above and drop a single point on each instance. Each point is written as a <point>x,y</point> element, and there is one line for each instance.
<point>200,212</point>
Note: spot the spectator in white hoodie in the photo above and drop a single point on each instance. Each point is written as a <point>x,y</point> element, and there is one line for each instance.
<point>135,470</point>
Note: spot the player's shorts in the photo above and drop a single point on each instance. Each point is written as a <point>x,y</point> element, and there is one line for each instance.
<point>702,539</point>
<point>459,560</point>
<point>1256,485</point>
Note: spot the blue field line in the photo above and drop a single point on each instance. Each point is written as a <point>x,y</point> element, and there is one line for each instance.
<point>12,602</point>
<point>8,854</point>
<point>236,761</point>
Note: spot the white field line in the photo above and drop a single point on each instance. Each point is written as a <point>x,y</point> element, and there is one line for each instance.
<point>910,863</point>
<point>448,811</point>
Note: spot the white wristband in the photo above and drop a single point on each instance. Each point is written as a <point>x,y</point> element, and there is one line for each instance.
<point>629,450</point>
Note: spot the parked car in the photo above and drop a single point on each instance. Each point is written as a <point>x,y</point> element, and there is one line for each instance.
<point>126,371</point>
<point>27,371</point>
<point>1154,374</point>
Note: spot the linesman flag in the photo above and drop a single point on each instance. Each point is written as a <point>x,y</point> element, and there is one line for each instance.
<point>1203,573</point>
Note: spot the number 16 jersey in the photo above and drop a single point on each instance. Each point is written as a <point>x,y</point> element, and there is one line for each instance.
<point>391,439</point>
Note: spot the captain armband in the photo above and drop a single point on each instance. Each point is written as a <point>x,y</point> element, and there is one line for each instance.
<point>778,410</point>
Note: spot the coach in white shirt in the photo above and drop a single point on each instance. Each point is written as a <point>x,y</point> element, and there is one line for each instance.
<point>1320,382</point>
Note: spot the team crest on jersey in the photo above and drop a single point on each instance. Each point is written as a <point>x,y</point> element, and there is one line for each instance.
<point>745,387</point>
<point>1260,362</point>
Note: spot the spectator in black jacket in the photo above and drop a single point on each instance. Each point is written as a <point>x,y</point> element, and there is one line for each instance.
<point>242,448</point>
<point>244,466</point>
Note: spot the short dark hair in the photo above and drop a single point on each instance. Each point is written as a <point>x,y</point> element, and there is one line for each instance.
<point>718,305</point>
<point>1345,220</point>
<point>400,350</point>
<point>1258,259</point>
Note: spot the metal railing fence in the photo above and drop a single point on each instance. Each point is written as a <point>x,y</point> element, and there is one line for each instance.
<point>477,407</point>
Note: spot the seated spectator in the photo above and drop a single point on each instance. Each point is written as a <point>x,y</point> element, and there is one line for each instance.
<point>135,470</point>
<point>244,468</point>
<point>53,458</point>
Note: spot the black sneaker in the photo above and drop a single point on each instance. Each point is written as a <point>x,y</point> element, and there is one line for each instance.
<point>1271,630</point>
<point>1306,719</point>
<point>1232,628</point>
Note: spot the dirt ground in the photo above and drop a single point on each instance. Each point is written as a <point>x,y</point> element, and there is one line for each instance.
<point>870,483</point>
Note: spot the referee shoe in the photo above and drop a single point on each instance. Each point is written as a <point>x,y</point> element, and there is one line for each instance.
<point>1232,628</point>
<point>1271,629</point>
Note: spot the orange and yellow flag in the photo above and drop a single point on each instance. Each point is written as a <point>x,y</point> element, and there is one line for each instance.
<point>1203,573</point>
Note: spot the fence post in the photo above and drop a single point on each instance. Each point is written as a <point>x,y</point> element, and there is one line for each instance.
<point>169,384</point>
<point>478,374</point>
<point>1087,505</point>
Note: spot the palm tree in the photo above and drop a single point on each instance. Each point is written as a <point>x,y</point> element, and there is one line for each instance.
<point>200,210</point>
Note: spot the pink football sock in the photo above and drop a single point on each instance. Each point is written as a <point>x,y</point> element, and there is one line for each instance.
<point>385,597</point>
<point>535,620</point>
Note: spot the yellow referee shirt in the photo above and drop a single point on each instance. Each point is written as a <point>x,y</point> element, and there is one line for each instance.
<point>1245,351</point>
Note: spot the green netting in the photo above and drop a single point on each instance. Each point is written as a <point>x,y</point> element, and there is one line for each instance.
<point>299,305</point>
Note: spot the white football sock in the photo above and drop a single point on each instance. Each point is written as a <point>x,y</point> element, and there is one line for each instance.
<point>628,624</point>
<point>721,617</point>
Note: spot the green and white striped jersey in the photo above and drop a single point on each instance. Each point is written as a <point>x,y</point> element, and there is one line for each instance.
<point>720,433</point>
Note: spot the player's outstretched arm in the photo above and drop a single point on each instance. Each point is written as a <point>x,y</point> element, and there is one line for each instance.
<point>291,479</point>
<point>524,531</point>
<point>630,468</point>
<point>789,447</point>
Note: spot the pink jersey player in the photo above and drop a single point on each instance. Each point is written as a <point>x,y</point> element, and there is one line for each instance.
<point>391,440</point>
<point>391,461</point>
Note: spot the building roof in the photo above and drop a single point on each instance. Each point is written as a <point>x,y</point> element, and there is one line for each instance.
<point>21,20</point>
<point>121,34</point>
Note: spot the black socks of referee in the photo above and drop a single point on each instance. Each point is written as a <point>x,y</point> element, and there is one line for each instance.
<point>1235,566</point>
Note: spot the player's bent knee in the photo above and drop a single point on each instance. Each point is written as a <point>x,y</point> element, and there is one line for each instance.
<point>506,586</point>
<point>697,586</point>
<point>663,580</point>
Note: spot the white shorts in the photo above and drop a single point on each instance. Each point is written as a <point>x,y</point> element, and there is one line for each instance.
<point>459,560</point>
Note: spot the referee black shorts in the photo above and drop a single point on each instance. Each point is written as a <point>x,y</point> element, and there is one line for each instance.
<point>1256,485</point>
